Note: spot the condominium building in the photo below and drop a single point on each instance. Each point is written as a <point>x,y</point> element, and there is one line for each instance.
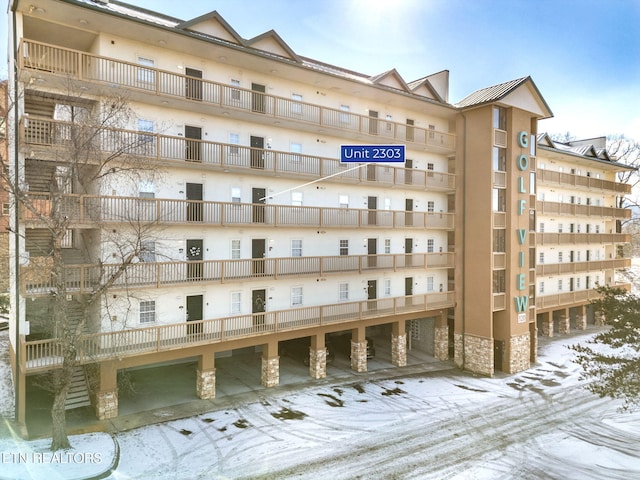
<point>226,223</point>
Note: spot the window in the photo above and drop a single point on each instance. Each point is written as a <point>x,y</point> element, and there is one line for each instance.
<point>410,129</point>
<point>560,285</point>
<point>499,240</point>
<point>431,206</point>
<point>236,303</point>
<point>387,245</point>
<point>344,116</point>
<point>541,228</point>
<point>296,296</point>
<point>344,292</point>
<point>532,182</point>
<point>145,142</point>
<point>578,283</point>
<point>559,257</point>
<point>541,287</point>
<point>296,199</point>
<point>235,195</point>
<point>296,106</point>
<point>235,94</point>
<point>387,287</point>
<point>432,132</point>
<point>597,228</point>
<point>499,281</point>
<point>559,228</point>
<point>560,198</point>
<point>344,201</point>
<point>147,251</point>
<point>146,75</point>
<point>429,284</point>
<point>499,200</point>
<point>500,159</point>
<point>578,228</point>
<point>297,149</point>
<point>499,118</point>
<point>389,124</point>
<point>430,168</point>
<point>387,203</point>
<point>541,257</point>
<point>147,311</point>
<point>5,209</point>
<point>430,245</point>
<point>344,247</point>
<point>296,248</point>
<point>235,249</point>
<point>234,140</point>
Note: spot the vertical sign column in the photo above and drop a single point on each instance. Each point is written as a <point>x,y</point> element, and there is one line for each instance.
<point>522,164</point>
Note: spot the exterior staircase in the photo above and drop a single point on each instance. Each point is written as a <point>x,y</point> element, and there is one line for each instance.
<point>78,395</point>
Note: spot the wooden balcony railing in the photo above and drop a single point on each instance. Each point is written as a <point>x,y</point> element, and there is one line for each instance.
<point>569,179</point>
<point>96,210</point>
<point>571,298</point>
<point>580,267</point>
<point>85,278</point>
<point>47,354</point>
<point>552,238</point>
<point>43,58</point>
<point>43,134</point>
<point>572,209</point>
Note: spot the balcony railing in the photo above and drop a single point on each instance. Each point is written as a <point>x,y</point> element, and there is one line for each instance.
<point>46,354</point>
<point>580,267</point>
<point>552,238</point>
<point>43,58</point>
<point>85,278</point>
<point>572,180</point>
<point>43,134</point>
<point>94,210</point>
<point>572,209</point>
<point>571,298</point>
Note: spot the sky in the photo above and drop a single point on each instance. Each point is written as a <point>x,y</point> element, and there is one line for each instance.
<point>583,55</point>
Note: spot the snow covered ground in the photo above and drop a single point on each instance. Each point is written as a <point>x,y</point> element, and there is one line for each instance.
<point>538,424</point>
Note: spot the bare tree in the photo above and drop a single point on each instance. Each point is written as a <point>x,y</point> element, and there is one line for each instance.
<point>82,150</point>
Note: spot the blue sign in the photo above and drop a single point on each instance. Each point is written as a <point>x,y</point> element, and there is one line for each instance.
<point>372,153</point>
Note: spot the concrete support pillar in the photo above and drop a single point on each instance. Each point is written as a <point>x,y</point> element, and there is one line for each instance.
<point>106,398</point>
<point>358,350</point>
<point>441,338</point>
<point>270,374</point>
<point>547,324</point>
<point>318,357</point>
<point>399,344</point>
<point>581,317</point>
<point>206,377</point>
<point>599,318</point>
<point>564,321</point>
<point>533,335</point>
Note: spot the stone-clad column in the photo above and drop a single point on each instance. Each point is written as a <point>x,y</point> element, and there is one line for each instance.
<point>564,325</point>
<point>441,338</point>
<point>270,374</point>
<point>318,357</point>
<point>106,397</point>
<point>359,356</point>
<point>399,350</point>
<point>599,318</point>
<point>206,377</point>
<point>547,324</point>
<point>519,353</point>
<point>581,318</point>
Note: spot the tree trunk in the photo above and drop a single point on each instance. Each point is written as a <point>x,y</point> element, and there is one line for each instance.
<point>62,383</point>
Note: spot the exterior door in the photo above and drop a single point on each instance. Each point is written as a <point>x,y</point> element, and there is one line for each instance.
<point>194,259</point>
<point>194,202</point>
<point>258,201</point>
<point>257,98</point>
<point>408,250</point>
<point>194,313</point>
<point>257,152</point>
<point>408,289</point>
<point>408,172</point>
<point>193,136</point>
<point>372,250</point>
<point>258,306</point>
<point>193,84</point>
<point>373,122</point>
<point>408,212</point>
<point>372,294</point>
<point>372,205</point>
<point>258,251</point>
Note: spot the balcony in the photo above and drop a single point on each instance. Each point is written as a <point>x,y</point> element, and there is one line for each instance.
<point>40,60</point>
<point>575,210</point>
<point>568,299</point>
<point>579,181</point>
<point>46,139</point>
<point>92,211</point>
<point>577,238</point>
<point>581,267</point>
<point>42,355</point>
<point>85,278</point>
